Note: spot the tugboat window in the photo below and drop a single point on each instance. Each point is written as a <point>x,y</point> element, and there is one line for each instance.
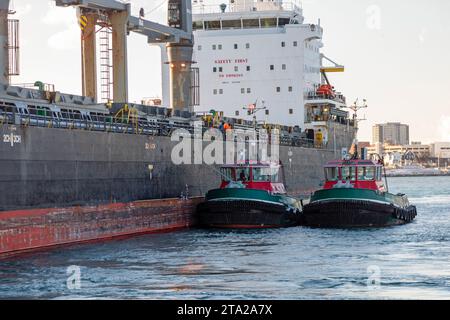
<point>228,174</point>
<point>366,173</point>
<point>348,173</point>
<point>243,175</point>
<point>379,175</point>
<point>263,175</point>
<point>332,174</point>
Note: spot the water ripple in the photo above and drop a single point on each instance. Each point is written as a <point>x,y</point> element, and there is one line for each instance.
<point>296,263</point>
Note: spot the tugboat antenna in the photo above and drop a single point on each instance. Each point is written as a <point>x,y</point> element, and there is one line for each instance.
<point>355,108</point>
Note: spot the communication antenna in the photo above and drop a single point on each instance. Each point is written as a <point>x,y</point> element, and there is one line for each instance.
<point>355,108</point>
<point>253,108</point>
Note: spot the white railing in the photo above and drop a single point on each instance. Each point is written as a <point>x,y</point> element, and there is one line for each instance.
<point>205,7</point>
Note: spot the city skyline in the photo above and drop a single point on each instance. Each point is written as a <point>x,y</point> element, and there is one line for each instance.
<point>391,52</point>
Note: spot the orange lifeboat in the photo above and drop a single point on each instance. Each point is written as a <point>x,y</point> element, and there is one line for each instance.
<point>326,90</point>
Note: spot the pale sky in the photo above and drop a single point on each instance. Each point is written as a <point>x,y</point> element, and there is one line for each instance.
<point>396,55</point>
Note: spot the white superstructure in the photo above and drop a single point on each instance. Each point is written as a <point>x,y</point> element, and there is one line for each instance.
<point>256,51</point>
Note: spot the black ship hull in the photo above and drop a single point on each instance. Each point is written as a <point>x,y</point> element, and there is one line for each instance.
<point>50,167</point>
<point>245,214</point>
<point>355,214</point>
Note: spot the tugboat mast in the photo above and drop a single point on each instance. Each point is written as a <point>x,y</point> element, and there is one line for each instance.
<point>252,109</point>
<point>355,108</point>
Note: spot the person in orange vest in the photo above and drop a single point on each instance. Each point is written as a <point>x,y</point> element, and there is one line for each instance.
<point>226,127</point>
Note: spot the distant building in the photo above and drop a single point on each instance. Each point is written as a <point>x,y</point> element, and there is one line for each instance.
<point>440,150</point>
<point>418,149</point>
<point>393,133</point>
<point>394,154</point>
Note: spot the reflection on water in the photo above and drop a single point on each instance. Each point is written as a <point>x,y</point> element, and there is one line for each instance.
<point>295,263</point>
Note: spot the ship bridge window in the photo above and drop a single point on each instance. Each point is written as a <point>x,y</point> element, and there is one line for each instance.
<point>250,23</point>
<point>283,21</point>
<point>231,24</point>
<point>366,173</point>
<point>332,174</point>
<point>212,25</point>
<point>197,25</point>
<point>268,23</point>
<point>348,173</point>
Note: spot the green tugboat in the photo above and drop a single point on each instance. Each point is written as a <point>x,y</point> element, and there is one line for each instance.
<point>250,196</point>
<point>354,195</point>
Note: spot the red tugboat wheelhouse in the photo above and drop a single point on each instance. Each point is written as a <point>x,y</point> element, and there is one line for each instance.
<point>354,195</point>
<point>250,196</point>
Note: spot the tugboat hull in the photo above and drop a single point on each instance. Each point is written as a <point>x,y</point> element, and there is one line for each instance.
<point>355,214</point>
<point>247,209</point>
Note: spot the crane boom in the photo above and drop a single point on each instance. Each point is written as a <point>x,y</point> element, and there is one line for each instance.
<point>335,68</point>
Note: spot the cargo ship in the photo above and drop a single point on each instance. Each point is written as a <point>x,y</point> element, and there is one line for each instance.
<point>74,169</point>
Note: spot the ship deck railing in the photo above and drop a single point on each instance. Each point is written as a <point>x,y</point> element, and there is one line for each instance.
<point>160,127</point>
<point>247,6</point>
<point>336,98</point>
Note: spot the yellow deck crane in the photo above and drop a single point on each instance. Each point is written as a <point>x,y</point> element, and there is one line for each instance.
<point>328,69</point>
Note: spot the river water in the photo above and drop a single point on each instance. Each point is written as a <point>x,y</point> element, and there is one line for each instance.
<point>406,262</point>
